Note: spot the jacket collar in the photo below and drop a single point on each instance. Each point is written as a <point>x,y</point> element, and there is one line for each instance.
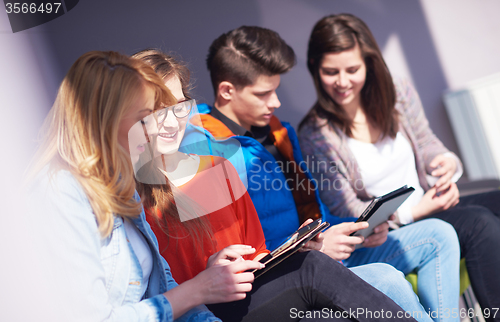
<point>230,124</point>
<point>279,133</point>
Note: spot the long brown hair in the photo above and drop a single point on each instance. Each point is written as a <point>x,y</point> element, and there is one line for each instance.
<point>337,33</point>
<point>159,198</point>
<point>80,134</point>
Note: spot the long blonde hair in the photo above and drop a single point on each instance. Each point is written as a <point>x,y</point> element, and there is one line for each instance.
<point>80,134</point>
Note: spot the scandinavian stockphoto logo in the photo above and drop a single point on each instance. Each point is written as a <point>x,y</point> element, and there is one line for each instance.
<point>25,15</point>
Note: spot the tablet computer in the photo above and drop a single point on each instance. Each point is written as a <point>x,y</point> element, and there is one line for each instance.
<point>291,245</point>
<point>381,208</point>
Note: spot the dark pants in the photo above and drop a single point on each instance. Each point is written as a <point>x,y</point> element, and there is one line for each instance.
<point>309,282</point>
<point>476,219</point>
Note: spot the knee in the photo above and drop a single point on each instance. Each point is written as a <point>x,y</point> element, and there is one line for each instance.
<point>388,278</point>
<point>440,226</point>
<point>320,260</point>
<point>480,230</point>
<point>481,219</point>
<point>314,264</point>
<point>443,233</point>
<point>387,273</point>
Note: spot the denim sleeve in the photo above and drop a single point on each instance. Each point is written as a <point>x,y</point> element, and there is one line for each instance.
<point>159,303</point>
<point>68,238</point>
<point>199,313</point>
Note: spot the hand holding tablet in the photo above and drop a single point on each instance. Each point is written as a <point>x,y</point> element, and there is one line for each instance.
<point>381,208</point>
<point>291,245</point>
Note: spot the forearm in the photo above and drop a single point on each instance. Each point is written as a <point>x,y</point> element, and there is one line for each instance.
<point>417,213</point>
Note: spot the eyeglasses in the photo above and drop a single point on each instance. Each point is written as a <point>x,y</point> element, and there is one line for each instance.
<point>180,110</point>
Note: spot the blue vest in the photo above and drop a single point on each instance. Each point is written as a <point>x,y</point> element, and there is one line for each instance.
<point>265,180</point>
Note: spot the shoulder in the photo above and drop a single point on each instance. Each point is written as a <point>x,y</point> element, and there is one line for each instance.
<point>318,132</point>
<point>314,125</point>
<point>308,127</point>
<point>58,202</point>
<point>406,94</point>
<point>402,85</point>
<point>214,126</point>
<point>217,160</point>
<point>209,161</point>
<point>204,108</point>
<point>55,185</point>
<point>150,174</point>
<point>289,130</point>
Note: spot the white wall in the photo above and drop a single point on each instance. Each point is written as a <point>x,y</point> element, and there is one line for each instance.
<point>466,35</point>
<point>24,101</point>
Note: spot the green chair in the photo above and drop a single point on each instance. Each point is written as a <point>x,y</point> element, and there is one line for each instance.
<point>466,292</point>
<point>467,188</point>
<point>464,279</point>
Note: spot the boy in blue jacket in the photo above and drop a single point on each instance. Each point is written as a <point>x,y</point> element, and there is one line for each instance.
<point>245,65</point>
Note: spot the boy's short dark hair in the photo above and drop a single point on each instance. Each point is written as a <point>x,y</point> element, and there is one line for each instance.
<point>243,54</point>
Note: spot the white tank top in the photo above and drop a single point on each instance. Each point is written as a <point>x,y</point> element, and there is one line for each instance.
<point>387,165</point>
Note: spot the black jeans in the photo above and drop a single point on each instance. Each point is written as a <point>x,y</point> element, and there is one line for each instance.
<point>310,282</point>
<point>476,219</point>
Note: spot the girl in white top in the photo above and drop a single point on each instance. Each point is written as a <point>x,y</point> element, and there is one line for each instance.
<point>375,132</point>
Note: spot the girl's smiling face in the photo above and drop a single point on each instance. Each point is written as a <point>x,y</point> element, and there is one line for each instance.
<point>171,130</point>
<point>343,76</point>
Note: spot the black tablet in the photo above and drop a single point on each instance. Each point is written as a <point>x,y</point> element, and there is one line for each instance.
<point>381,208</point>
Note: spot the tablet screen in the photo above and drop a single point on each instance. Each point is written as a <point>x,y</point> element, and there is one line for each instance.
<point>382,208</point>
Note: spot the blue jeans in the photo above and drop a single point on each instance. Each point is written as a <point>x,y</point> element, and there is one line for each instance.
<point>392,283</point>
<point>312,282</point>
<point>430,248</point>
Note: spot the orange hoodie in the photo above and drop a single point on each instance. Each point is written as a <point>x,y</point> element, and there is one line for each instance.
<point>305,201</point>
<point>236,222</point>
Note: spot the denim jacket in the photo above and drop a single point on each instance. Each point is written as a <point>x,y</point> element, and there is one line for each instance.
<point>98,279</point>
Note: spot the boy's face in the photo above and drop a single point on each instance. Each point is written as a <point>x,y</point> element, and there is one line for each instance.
<point>253,105</point>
